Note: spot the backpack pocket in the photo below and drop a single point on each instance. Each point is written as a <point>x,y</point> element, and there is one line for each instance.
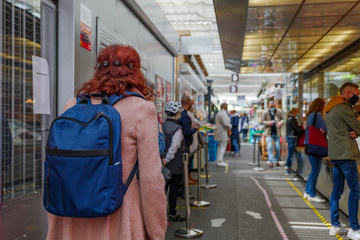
<point>78,186</point>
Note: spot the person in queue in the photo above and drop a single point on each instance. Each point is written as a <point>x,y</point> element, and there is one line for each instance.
<point>235,133</point>
<point>143,213</point>
<point>194,145</point>
<point>343,128</point>
<point>222,126</point>
<point>244,126</point>
<point>173,154</point>
<point>273,120</point>
<point>316,109</point>
<point>293,131</point>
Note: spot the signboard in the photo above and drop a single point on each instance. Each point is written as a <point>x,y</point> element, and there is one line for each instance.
<point>159,100</point>
<point>85,27</point>
<point>233,89</point>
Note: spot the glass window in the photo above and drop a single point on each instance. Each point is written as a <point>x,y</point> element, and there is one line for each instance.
<point>21,139</point>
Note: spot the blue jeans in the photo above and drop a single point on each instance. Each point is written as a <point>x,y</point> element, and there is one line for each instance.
<point>345,169</point>
<point>269,143</point>
<point>235,144</point>
<point>312,180</point>
<point>291,141</point>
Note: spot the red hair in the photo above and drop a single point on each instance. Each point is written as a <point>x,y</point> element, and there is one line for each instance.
<point>117,70</point>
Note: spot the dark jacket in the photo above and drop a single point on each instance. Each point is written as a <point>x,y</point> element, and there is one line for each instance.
<point>292,127</point>
<point>235,127</point>
<point>169,128</point>
<point>185,123</point>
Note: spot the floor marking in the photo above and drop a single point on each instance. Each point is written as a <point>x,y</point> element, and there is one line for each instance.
<point>217,222</point>
<point>227,167</point>
<point>310,227</point>
<point>273,214</point>
<point>254,214</point>
<point>313,208</point>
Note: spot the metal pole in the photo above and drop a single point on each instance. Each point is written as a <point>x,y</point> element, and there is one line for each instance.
<point>187,232</point>
<point>206,159</point>
<point>253,162</point>
<point>199,203</point>
<point>258,168</point>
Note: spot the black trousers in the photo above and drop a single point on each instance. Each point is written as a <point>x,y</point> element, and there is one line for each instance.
<point>174,184</point>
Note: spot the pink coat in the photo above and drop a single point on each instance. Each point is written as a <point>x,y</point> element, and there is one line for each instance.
<point>143,213</point>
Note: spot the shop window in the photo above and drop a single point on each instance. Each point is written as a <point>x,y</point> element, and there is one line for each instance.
<point>20,128</point>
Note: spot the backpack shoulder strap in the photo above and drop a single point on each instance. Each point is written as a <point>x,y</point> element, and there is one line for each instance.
<point>133,172</point>
<point>115,98</point>
<point>314,121</point>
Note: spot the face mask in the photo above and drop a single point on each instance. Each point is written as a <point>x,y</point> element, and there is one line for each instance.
<point>353,100</point>
<point>272,109</point>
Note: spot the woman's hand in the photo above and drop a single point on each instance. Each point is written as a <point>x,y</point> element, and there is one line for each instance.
<point>322,131</point>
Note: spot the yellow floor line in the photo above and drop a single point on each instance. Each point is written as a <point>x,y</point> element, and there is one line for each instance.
<point>227,167</point>
<point>313,208</point>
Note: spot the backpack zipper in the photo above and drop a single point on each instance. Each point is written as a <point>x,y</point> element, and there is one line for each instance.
<point>97,116</point>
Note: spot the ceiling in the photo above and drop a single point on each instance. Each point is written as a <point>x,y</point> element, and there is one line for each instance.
<point>265,36</point>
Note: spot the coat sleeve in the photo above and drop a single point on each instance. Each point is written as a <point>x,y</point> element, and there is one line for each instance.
<point>226,121</point>
<point>320,122</point>
<point>264,117</point>
<point>349,116</point>
<point>152,184</point>
<point>185,122</point>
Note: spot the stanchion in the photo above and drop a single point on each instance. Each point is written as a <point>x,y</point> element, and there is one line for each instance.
<point>198,202</point>
<point>187,232</point>
<point>258,168</point>
<point>253,162</point>
<point>206,159</point>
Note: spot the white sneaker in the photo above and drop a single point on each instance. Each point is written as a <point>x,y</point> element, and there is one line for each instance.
<point>222,164</point>
<point>335,230</point>
<point>353,234</point>
<point>305,195</point>
<point>315,199</point>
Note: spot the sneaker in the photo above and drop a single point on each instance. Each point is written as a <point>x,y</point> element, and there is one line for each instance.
<point>315,199</point>
<point>277,164</point>
<point>271,165</point>
<point>335,230</point>
<point>175,218</point>
<point>305,195</point>
<point>289,173</point>
<point>222,164</point>
<point>353,234</point>
<point>237,154</point>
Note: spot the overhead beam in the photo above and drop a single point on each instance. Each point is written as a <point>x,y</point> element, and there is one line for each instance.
<point>231,16</point>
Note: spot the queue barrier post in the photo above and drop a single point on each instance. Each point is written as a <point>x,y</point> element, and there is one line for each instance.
<point>187,232</point>
<point>206,160</point>
<point>257,138</point>
<point>198,202</point>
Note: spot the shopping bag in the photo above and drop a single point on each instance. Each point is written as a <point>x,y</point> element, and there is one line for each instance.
<point>317,144</point>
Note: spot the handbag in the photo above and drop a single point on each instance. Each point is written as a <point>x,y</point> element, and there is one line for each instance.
<point>246,126</point>
<point>317,145</point>
<point>301,139</point>
<point>165,172</point>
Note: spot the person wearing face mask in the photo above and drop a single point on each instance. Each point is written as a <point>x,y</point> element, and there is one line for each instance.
<point>293,131</point>
<point>273,120</point>
<point>343,128</point>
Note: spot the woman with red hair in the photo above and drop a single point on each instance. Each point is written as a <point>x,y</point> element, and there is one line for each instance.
<point>143,212</point>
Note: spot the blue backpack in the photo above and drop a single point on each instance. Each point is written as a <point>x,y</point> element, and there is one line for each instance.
<point>83,166</point>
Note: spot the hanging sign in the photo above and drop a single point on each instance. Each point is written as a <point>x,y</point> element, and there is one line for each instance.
<point>233,89</point>
<point>234,77</point>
